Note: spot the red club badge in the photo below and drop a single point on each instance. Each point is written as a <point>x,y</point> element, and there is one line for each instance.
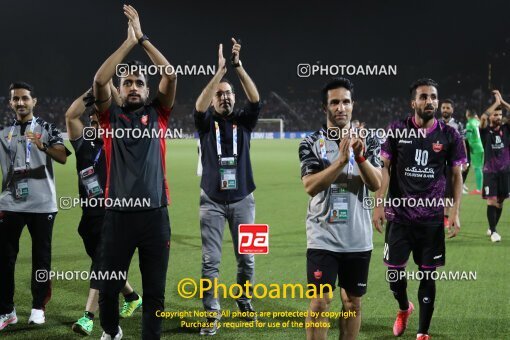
<point>437,147</point>
<point>317,274</point>
<point>144,119</point>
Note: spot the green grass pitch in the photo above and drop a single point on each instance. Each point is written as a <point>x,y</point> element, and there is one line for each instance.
<point>464,309</point>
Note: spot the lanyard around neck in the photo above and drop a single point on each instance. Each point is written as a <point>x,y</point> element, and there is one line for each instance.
<point>96,159</point>
<point>28,142</point>
<point>218,139</point>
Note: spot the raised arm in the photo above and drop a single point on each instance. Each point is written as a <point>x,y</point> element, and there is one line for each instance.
<point>168,83</point>
<point>484,121</point>
<point>101,86</point>
<point>248,85</point>
<point>503,103</point>
<point>497,102</point>
<point>205,98</point>
<point>115,93</point>
<point>73,123</point>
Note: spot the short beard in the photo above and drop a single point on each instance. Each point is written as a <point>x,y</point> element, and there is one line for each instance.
<point>425,116</point>
<point>133,106</point>
<point>496,122</point>
<point>447,116</point>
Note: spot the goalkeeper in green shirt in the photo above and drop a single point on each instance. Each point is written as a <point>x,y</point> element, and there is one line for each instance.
<point>475,149</point>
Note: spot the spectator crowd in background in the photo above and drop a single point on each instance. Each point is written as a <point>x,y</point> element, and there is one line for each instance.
<point>298,114</point>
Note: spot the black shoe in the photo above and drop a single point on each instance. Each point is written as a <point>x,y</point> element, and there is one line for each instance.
<point>246,308</point>
<point>212,328</point>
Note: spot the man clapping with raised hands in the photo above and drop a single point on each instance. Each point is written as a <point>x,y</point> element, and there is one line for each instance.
<point>227,179</point>
<point>135,171</point>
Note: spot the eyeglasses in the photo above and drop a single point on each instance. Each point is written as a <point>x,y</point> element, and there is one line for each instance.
<point>220,94</point>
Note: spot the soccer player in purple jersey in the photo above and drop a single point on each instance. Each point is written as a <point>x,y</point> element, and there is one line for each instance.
<point>414,168</point>
<point>495,138</point>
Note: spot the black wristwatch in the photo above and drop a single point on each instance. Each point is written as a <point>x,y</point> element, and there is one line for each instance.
<point>142,39</point>
<point>45,147</point>
<point>236,65</point>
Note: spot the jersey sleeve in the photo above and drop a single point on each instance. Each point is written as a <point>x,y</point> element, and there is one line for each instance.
<point>249,115</point>
<point>469,132</point>
<point>202,120</point>
<point>388,148</point>
<point>462,131</point>
<point>373,151</point>
<point>77,143</point>
<point>106,116</point>
<point>310,163</point>
<point>457,153</point>
<point>163,111</point>
<point>54,135</point>
<point>483,134</point>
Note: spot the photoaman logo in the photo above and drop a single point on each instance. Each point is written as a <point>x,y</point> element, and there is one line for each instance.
<point>253,239</point>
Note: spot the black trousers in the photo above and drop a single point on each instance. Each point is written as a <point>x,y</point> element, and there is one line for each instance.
<point>40,226</point>
<point>123,232</point>
<point>90,229</point>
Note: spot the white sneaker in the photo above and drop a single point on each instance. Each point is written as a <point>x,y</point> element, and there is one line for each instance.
<point>489,232</point>
<point>109,337</point>
<point>465,191</point>
<point>495,237</point>
<point>8,319</point>
<point>36,317</point>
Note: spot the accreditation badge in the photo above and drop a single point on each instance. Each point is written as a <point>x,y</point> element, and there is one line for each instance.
<point>91,183</point>
<point>20,179</point>
<point>228,173</point>
<point>338,203</point>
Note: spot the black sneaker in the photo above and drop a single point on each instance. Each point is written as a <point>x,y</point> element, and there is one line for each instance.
<point>247,309</point>
<point>212,328</point>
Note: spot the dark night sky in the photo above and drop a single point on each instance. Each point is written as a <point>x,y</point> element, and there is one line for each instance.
<point>58,45</point>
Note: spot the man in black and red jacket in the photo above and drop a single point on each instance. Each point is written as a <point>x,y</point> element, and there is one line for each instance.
<point>135,173</point>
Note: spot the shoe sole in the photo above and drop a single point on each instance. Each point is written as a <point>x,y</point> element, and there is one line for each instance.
<point>207,334</point>
<point>80,330</point>
<point>36,323</point>
<point>13,322</point>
